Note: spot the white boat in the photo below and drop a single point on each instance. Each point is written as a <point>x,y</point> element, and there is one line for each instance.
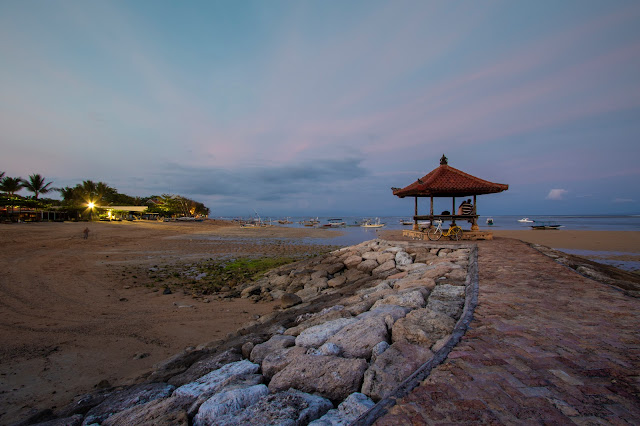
<point>489,221</point>
<point>406,222</point>
<point>525,220</point>
<point>335,223</point>
<point>369,224</point>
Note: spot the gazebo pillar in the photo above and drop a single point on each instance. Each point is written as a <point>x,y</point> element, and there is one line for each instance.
<point>474,224</point>
<point>415,213</point>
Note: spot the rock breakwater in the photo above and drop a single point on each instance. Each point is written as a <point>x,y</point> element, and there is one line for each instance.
<point>354,328</point>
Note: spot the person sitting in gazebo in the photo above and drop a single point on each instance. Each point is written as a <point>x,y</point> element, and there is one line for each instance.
<point>467,208</point>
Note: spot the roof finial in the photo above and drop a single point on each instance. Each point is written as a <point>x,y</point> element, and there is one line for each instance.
<point>443,160</point>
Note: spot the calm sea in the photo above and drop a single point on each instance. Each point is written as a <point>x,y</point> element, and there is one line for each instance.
<point>353,234</point>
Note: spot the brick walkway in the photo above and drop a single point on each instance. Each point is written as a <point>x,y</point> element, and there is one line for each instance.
<point>546,346</point>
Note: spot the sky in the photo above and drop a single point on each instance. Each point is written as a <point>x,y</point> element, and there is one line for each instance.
<point>318,108</point>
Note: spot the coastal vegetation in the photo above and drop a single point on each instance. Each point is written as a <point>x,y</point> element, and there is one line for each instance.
<point>213,275</point>
<point>84,199</point>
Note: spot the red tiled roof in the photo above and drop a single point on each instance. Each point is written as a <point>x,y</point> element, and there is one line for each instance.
<point>446,181</point>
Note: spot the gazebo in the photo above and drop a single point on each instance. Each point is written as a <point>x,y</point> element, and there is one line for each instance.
<point>446,181</point>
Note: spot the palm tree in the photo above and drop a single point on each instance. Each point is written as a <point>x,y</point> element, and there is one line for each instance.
<point>1,175</point>
<point>36,185</point>
<point>10,186</point>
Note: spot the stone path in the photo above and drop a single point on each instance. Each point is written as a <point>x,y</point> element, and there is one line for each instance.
<point>546,346</point>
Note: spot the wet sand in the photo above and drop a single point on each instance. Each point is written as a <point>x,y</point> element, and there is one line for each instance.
<point>613,241</point>
<point>73,315</point>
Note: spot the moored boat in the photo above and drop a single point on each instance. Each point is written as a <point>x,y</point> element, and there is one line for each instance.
<point>545,225</point>
<point>369,224</point>
<point>335,223</point>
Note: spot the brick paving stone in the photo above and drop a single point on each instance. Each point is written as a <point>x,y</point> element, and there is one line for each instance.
<point>546,346</point>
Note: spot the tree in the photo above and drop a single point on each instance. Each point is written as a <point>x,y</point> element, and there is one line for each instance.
<point>88,191</point>
<point>10,186</point>
<point>36,185</point>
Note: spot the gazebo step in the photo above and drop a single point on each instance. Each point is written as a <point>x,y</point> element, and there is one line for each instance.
<point>467,235</point>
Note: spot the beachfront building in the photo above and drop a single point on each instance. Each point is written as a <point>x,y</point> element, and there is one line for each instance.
<point>127,212</point>
<point>446,181</point>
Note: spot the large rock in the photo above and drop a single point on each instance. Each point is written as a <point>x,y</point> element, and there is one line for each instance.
<point>448,293</point>
<point>165,412</point>
<point>367,266</point>
<point>331,268</point>
<point>385,257</point>
<point>175,365</point>
<point>328,349</point>
<point>315,336</point>
<point>423,327</point>
<point>216,379</point>
<point>337,281</point>
<point>378,350</point>
<point>412,300</point>
<point>352,261</point>
<point>437,270</point>
<point>403,259</point>
<point>308,293</point>
<point>347,412</point>
<point>448,299</point>
<point>125,398</point>
<point>452,308</point>
<point>228,402</point>
<point>279,359</point>
<point>358,339</point>
<point>204,366</point>
<point>288,300</point>
<point>413,268</point>
<point>457,275</point>
<point>392,367</point>
<point>288,408</point>
<point>280,281</point>
<point>250,291</point>
<point>384,267</point>
<point>395,312</point>
<point>382,287</point>
<point>329,376</point>
<point>278,341</point>
<point>309,320</point>
<point>411,282</point>
<point>237,382</point>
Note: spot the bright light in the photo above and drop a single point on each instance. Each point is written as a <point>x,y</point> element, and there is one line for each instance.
<point>90,205</point>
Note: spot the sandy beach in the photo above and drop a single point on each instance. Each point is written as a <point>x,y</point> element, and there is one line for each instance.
<point>76,314</point>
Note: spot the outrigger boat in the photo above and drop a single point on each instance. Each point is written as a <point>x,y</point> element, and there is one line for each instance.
<point>489,221</point>
<point>545,225</point>
<point>310,222</point>
<point>368,224</point>
<point>335,223</point>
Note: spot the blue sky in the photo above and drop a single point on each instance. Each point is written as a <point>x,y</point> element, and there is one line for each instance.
<point>319,108</point>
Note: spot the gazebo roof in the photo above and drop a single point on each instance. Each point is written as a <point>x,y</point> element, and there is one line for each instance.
<point>446,181</point>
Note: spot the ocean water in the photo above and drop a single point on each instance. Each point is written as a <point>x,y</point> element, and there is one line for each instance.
<point>356,234</point>
<point>353,234</point>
